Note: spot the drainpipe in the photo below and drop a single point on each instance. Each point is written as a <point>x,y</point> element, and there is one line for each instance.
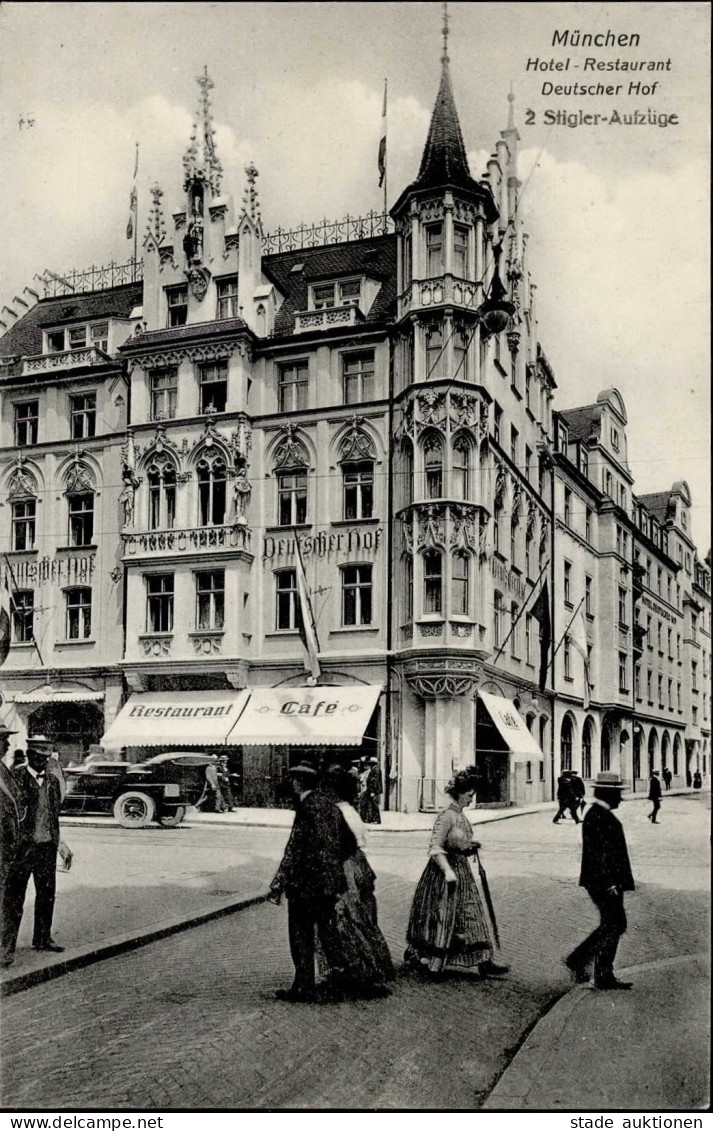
<point>389,581</point>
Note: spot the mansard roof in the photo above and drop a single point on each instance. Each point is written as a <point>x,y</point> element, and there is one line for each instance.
<point>582,423</point>
<point>24,337</point>
<point>375,257</point>
<point>659,504</point>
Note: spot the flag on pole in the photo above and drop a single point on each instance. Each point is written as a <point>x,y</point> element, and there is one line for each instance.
<point>382,143</point>
<point>578,638</point>
<point>5,620</point>
<point>541,612</point>
<point>305,620</point>
<point>132,199</point>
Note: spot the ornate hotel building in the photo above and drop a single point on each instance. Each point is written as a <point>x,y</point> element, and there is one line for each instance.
<point>361,411</point>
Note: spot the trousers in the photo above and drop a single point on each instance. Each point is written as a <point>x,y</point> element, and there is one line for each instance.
<point>307,919</point>
<point>656,803</point>
<point>601,945</point>
<point>40,862</point>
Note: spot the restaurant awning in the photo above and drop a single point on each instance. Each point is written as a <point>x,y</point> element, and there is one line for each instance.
<point>176,718</point>
<point>316,716</point>
<point>522,745</point>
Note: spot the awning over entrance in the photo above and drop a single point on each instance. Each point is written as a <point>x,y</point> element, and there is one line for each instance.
<point>176,718</point>
<point>49,694</point>
<point>317,716</point>
<point>511,726</point>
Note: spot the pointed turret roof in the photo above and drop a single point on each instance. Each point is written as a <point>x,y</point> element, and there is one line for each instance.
<point>200,161</point>
<point>444,160</point>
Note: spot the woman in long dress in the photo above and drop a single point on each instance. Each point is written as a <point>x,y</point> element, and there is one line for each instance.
<point>367,961</point>
<point>447,926</point>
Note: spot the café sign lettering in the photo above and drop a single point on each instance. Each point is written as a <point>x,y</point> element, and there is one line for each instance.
<point>321,545</point>
<point>56,571</point>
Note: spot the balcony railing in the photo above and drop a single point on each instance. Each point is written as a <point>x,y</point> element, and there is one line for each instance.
<point>195,540</point>
<point>327,232</point>
<point>326,319</point>
<point>446,290</point>
<point>67,359</point>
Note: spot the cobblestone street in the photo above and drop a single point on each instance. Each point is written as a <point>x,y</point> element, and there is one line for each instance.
<point>191,1021</point>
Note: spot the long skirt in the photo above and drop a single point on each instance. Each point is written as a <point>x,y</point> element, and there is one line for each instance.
<point>369,809</point>
<point>365,955</point>
<point>447,927</point>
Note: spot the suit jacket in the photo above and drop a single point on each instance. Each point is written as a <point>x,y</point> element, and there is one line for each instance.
<point>28,792</point>
<point>313,865</point>
<point>10,816</point>
<point>654,789</point>
<point>578,787</point>
<point>605,859</point>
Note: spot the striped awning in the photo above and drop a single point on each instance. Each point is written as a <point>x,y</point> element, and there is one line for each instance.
<point>49,694</point>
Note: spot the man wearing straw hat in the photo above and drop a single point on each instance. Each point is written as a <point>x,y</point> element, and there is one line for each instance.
<point>606,875</point>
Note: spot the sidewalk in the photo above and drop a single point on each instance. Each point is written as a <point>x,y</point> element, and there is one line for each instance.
<point>589,1045</point>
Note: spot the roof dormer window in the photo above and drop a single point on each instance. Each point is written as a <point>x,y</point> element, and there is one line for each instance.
<point>345,292</point>
<point>94,334</point>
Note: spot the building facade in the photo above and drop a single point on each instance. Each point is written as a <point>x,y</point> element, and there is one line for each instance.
<point>344,436</point>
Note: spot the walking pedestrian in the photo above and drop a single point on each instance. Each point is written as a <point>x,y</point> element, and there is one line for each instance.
<point>39,795</point>
<point>371,793</point>
<point>579,791</point>
<point>566,798</point>
<point>654,796</point>
<point>10,818</point>
<point>667,777</point>
<point>447,926</point>
<point>606,875</point>
<point>697,780</point>
<point>312,877</point>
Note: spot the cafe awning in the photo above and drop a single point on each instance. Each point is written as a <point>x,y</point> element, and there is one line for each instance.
<point>315,716</point>
<point>48,694</point>
<point>176,718</point>
<point>511,726</point>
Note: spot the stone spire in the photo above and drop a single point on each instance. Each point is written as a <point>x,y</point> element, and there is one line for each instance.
<point>251,200</point>
<point>200,161</point>
<point>444,158</point>
<point>156,227</point>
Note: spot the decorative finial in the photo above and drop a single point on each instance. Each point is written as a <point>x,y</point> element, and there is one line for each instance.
<point>511,109</point>
<point>156,226</point>
<point>446,17</point>
<point>251,202</point>
<point>200,161</point>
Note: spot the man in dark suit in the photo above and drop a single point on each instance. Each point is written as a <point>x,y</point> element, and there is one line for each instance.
<point>654,796</point>
<point>566,798</point>
<point>606,875</point>
<point>10,820</point>
<point>311,875</point>
<point>40,797</point>
<point>578,790</point>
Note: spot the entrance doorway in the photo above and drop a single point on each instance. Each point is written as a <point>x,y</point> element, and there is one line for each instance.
<point>72,727</point>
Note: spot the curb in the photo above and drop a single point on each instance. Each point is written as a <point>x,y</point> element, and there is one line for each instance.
<point>121,944</point>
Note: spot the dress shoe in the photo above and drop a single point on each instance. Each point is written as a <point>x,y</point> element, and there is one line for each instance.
<point>491,969</point>
<point>612,984</point>
<point>51,945</point>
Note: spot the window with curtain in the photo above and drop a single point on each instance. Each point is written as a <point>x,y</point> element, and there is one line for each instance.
<point>433,581</point>
<point>211,492</point>
<point>460,578</point>
<point>433,466</point>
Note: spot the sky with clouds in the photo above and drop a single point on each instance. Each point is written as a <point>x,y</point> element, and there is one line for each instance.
<point>618,215</point>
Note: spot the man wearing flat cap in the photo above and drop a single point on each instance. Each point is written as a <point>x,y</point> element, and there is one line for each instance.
<point>10,820</point>
<point>606,875</point>
<point>312,877</point>
<point>40,797</point>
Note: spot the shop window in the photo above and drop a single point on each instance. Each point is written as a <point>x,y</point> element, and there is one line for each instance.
<point>460,583</point>
<point>286,600</point>
<point>83,415</point>
<point>23,524</point>
<point>177,305</point>
<point>164,392</point>
<point>210,599</point>
<point>293,382</point>
<point>23,616</point>
<point>433,466</point>
<point>356,595</point>
<point>292,497</point>
<point>159,602</point>
<point>433,581</point>
<point>227,291</point>
<point>213,384</point>
<point>161,479</point>
<point>81,518</point>
<point>358,377</point>
<point>211,492</point>
<point>26,423</point>
<point>358,489</point>
<point>79,614</point>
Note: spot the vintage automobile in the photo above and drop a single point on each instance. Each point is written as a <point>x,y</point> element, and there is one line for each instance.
<point>159,789</point>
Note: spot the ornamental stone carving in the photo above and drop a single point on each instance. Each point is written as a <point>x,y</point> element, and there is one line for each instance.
<point>501,483</point>
<point>79,477</point>
<point>446,678</point>
<point>291,452</point>
<point>22,484</point>
<point>207,645</point>
<point>516,500</point>
<point>407,534</point>
<point>161,359</point>
<point>356,444</point>
<point>483,536</point>
<point>544,533</point>
<point>198,278</point>
<point>408,417</point>
<point>430,630</point>
<point>461,630</point>
<point>159,646</point>
<point>431,409</point>
<point>464,410</point>
<point>531,519</point>
<point>483,423</point>
<point>431,527</point>
<point>463,528</point>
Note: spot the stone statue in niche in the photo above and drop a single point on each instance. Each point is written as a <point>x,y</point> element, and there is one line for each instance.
<point>127,498</point>
<point>193,240</point>
<point>241,491</point>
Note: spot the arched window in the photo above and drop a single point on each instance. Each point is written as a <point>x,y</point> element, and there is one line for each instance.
<point>498,619</point>
<point>513,541</point>
<point>161,477</point>
<point>407,454</point>
<point>566,738</point>
<point>587,749</point>
<point>433,581</point>
<point>460,578</point>
<point>653,747</point>
<point>357,489</point>
<point>211,491</point>
<point>664,750</point>
<point>460,474</point>
<point>434,353</point>
<point>433,465</point>
<point>605,748</point>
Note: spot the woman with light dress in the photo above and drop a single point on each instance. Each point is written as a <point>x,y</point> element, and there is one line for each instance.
<point>447,927</point>
<point>366,958</point>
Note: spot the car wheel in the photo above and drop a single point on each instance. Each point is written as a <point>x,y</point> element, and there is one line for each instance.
<point>169,818</point>
<point>134,810</point>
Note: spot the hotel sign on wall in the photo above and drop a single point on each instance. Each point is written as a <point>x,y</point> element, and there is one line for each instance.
<point>60,570</point>
<point>354,539</point>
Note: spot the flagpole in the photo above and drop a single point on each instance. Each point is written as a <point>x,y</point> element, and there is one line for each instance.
<point>562,637</point>
<point>522,610</point>
<point>313,676</point>
<point>386,150</point>
<point>136,211</point>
